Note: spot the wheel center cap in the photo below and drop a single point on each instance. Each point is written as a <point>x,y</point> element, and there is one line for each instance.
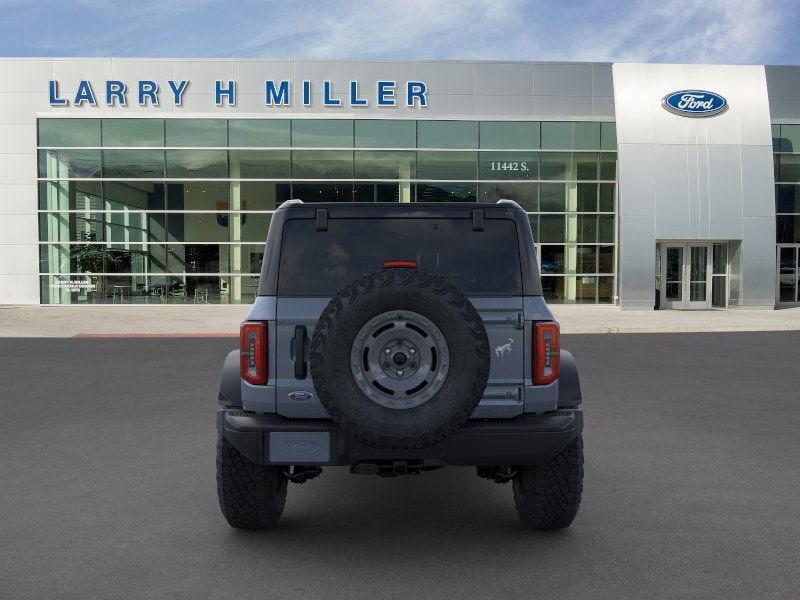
<point>399,359</point>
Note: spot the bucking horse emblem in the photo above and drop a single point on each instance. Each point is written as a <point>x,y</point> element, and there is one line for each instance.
<point>503,350</point>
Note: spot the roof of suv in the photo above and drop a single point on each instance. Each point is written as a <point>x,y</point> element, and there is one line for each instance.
<point>320,212</point>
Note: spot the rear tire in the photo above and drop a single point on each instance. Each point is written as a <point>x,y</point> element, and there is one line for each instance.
<point>548,496</point>
<point>251,496</point>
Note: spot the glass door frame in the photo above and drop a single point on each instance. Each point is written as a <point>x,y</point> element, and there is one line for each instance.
<point>685,302</point>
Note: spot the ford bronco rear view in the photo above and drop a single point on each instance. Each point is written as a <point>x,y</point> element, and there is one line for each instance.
<point>394,339</point>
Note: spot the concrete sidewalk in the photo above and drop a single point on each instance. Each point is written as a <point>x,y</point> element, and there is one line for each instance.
<point>223,320</point>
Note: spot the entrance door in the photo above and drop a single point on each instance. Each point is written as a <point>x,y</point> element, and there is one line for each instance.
<point>686,276</point>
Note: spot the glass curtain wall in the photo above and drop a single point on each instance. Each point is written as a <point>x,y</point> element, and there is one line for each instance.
<point>786,147</point>
<point>176,210</point>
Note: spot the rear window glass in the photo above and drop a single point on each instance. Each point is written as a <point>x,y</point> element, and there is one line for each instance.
<point>320,263</point>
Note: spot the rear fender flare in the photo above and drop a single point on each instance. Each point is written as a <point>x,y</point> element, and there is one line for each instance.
<point>569,383</point>
<point>230,383</point>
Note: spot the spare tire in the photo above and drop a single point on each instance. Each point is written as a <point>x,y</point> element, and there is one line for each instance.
<point>400,359</point>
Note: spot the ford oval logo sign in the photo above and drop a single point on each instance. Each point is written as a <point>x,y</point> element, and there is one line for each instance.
<point>695,103</point>
<point>300,396</point>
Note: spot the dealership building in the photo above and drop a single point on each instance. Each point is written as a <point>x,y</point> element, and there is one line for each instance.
<point>151,181</point>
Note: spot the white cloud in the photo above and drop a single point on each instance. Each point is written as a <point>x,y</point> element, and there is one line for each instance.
<point>735,31</point>
<point>715,31</point>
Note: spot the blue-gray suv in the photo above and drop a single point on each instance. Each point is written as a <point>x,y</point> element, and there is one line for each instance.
<point>393,339</point>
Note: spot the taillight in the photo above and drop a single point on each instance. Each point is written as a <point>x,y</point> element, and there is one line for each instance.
<point>253,347</point>
<point>546,352</point>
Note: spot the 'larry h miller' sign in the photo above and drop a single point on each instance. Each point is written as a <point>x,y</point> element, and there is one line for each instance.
<point>276,93</point>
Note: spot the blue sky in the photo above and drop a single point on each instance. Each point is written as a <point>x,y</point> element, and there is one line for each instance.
<point>713,31</point>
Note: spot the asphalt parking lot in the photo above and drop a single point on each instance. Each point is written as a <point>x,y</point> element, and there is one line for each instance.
<point>692,484</point>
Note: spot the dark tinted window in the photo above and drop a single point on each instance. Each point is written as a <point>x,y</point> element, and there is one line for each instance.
<point>320,263</point>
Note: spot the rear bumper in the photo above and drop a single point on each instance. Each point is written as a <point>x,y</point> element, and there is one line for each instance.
<point>525,440</point>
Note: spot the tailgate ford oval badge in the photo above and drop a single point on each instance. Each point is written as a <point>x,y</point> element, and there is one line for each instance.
<point>300,396</point>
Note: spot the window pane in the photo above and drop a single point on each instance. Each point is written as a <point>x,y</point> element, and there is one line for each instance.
<point>553,197</point>
<point>447,165</point>
<point>134,258</point>
<point>534,222</point>
<point>553,289</point>
<point>385,165</point>
<point>133,132</point>
<point>322,164</point>
<point>587,229</point>
<point>586,259</point>
<point>384,192</point>
<point>134,226</point>
<point>197,163</point>
<point>790,138</point>
<point>776,138</point>
<point>557,135</point>
<point>606,197</point>
<point>261,195</point>
<point>255,226</point>
<point>789,170</point>
<point>552,228</point>
<point>787,291</point>
<point>586,289</point>
<point>787,198</point>
<point>509,165</point>
<point>198,195</point>
<point>197,132</point>
<point>198,289</point>
<point>587,197</point>
<point>71,227</point>
<point>322,133</point>
<point>509,134</point>
<point>62,164</point>
<point>556,165</point>
<point>323,192</point>
<point>524,194</point>
<point>585,166</point>
<point>608,166</point>
<point>720,263</point>
<point>271,133</point>
<point>260,164</point>
<point>133,164</point>
<point>605,232</point>
<point>552,260</point>
<point>380,133</point>
<point>447,134</point>
<point>198,227</point>
<point>605,290</point>
<point>608,136</point>
<point>787,263</point>
<point>71,258</point>
<point>70,195</point>
<point>69,132</point>
<point>447,192</point>
<point>215,258</point>
<point>605,259</point>
<point>587,136</point>
<point>127,195</point>
<point>788,229</point>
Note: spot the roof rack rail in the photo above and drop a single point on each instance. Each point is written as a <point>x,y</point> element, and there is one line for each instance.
<point>509,202</point>
<point>291,202</point>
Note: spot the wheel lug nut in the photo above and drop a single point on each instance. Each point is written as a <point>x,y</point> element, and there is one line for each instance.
<point>387,351</point>
<point>399,373</point>
<point>412,351</point>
